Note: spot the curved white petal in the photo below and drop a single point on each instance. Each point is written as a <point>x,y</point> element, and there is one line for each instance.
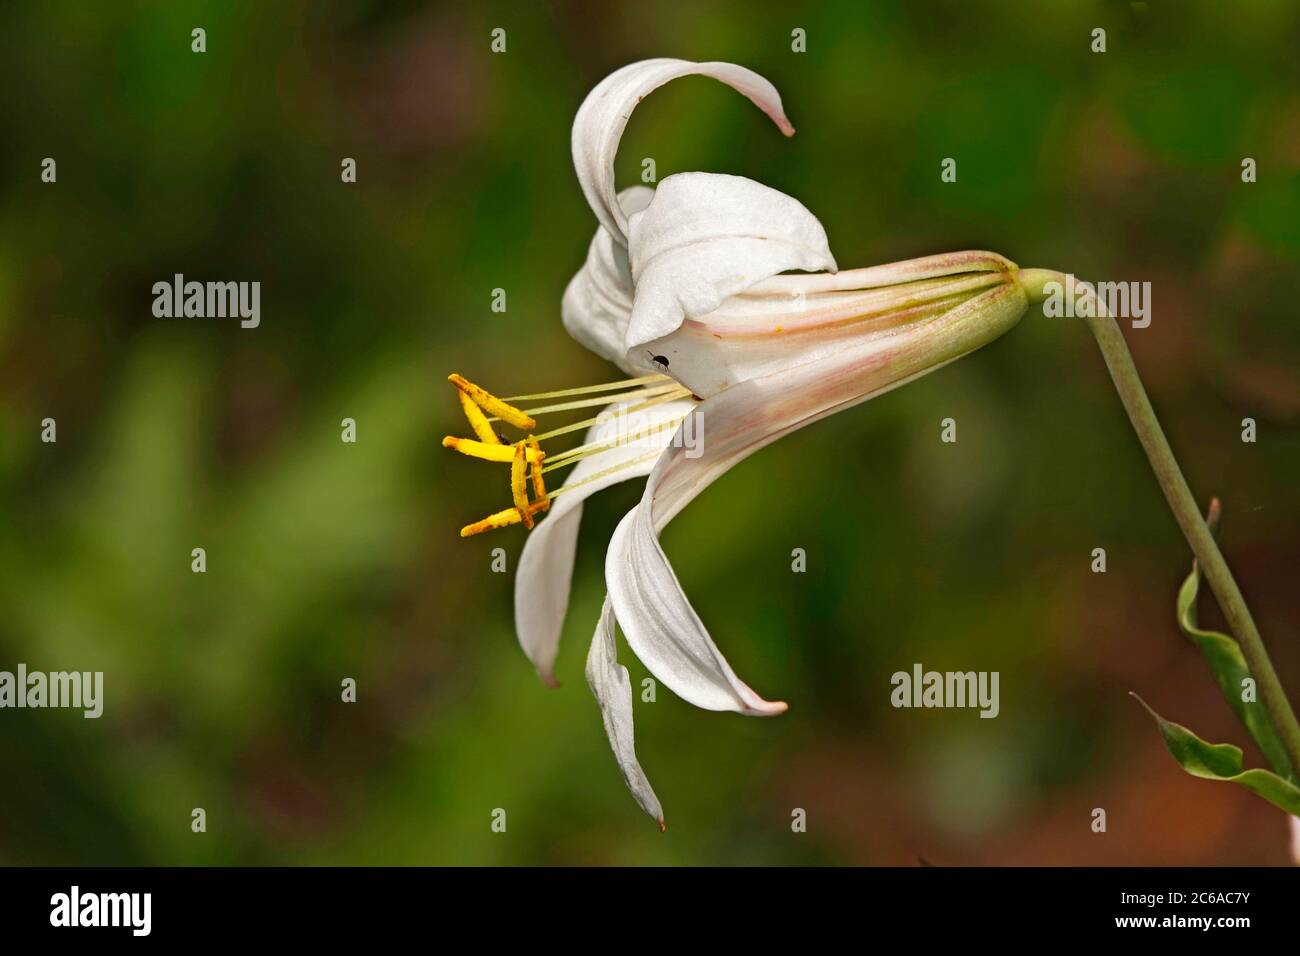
<point>597,304</point>
<point>609,682</point>
<point>664,630</point>
<point>658,620</point>
<point>546,563</point>
<point>707,236</point>
<point>603,116</point>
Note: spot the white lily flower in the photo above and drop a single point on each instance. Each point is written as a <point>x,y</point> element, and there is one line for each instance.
<point>685,286</point>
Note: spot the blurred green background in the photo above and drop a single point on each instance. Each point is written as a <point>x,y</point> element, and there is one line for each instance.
<point>328,560</point>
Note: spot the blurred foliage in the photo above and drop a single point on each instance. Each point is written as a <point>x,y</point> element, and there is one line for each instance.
<point>328,560</point>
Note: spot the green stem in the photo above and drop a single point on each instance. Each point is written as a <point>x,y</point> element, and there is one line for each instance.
<point>1129,385</point>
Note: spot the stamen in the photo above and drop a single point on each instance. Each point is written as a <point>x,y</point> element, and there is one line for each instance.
<point>582,451</point>
<point>511,516</point>
<point>528,463</point>
<point>478,449</point>
<point>493,405</point>
<point>608,399</point>
<point>588,422</point>
<point>588,389</point>
<point>519,484</point>
<point>477,420</point>
<point>604,474</point>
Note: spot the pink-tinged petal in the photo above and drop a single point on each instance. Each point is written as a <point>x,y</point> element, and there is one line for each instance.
<point>546,564</point>
<point>707,236</point>
<point>750,415</point>
<point>660,624</point>
<point>790,320</point>
<point>597,304</point>
<point>603,116</point>
<point>888,274</point>
<point>612,687</point>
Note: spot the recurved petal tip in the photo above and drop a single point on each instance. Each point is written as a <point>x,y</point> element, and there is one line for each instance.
<point>604,114</point>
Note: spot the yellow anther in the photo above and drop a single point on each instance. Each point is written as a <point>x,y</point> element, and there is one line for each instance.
<point>519,484</point>
<point>535,470</point>
<point>502,519</point>
<point>478,449</point>
<point>493,405</point>
<point>477,420</point>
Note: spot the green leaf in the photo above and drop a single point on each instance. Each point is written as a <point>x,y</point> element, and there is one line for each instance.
<point>1228,665</point>
<point>1223,762</point>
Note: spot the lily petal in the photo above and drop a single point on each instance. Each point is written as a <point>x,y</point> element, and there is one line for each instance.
<point>597,304</point>
<point>603,116</point>
<point>663,629</point>
<point>708,236</point>
<point>788,320</point>
<point>660,624</point>
<point>546,563</point>
<point>612,687</point>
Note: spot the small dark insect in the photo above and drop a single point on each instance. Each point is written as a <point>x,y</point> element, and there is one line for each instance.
<point>661,361</point>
